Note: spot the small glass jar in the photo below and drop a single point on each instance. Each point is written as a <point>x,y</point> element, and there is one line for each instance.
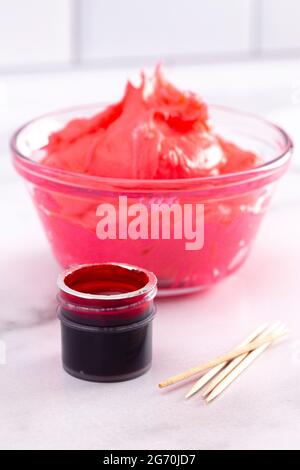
<point>106,312</point>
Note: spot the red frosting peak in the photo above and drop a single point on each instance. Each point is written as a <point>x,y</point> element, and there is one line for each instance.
<point>154,132</point>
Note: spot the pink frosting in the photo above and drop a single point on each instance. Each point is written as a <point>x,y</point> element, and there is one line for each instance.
<point>154,132</point>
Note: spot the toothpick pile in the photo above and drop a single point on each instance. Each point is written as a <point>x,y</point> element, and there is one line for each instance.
<point>223,370</point>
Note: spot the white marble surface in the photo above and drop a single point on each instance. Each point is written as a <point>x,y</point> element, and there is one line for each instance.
<point>41,407</point>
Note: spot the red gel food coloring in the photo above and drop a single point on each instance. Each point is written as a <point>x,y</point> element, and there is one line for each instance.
<point>106,312</point>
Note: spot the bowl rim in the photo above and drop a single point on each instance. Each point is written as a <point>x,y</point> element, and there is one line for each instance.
<point>154,184</point>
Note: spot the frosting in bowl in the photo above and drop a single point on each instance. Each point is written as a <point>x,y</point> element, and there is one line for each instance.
<point>175,161</point>
<point>155,132</point>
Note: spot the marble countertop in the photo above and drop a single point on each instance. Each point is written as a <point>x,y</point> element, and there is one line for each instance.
<point>41,407</point>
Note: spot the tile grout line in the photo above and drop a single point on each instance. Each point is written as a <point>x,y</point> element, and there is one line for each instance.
<point>75,32</point>
<point>256,28</point>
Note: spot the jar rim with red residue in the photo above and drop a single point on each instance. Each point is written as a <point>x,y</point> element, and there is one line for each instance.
<point>106,294</point>
<point>106,312</point>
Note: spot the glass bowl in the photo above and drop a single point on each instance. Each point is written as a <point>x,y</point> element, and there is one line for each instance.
<point>234,204</point>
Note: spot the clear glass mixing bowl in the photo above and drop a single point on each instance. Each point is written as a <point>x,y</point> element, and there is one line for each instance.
<point>234,204</point>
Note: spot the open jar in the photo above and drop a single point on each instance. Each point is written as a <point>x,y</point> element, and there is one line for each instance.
<point>106,312</point>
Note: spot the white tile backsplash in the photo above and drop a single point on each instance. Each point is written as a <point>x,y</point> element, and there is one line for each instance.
<point>35,32</point>
<point>280,24</point>
<point>50,32</point>
<point>141,28</point>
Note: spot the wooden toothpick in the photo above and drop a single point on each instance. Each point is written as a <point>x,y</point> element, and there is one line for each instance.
<point>224,358</point>
<point>234,363</point>
<point>218,369</point>
<point>238,370</point>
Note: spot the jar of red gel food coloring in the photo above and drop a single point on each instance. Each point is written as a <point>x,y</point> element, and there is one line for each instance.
<point>106,312</point>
